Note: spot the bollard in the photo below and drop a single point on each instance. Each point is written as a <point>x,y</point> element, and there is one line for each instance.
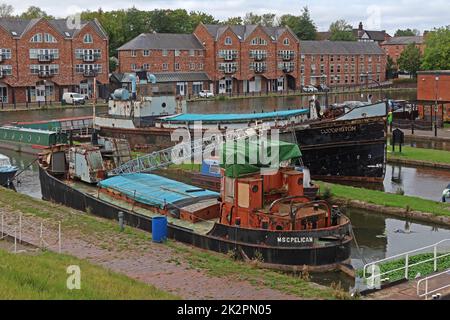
<point>121,226</point>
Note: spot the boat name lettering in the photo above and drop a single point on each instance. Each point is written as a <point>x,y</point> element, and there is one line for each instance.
<point>338,130</point>
<point>295,239</point>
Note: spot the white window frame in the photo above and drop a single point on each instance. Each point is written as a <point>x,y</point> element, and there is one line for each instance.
<point>145,53</point>
<point>49,38</point>
<point>286,41</point>
<point>228,41</point>
<point>87,38</point>
<point>37,38</point>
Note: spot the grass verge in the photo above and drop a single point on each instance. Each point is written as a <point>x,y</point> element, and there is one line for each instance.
<point>106,233</point>
<point>424,269</point>
<point>421,154</point>
<point>225,266</point>
<point>44,276</point>
<point>387,199</point>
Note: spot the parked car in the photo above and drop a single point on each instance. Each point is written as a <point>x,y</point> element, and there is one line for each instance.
<point>309,89</point>
<point>73,98</point>
<point>206,94</point>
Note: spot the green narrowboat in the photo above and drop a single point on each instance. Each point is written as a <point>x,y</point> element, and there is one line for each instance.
<point>29,140</point>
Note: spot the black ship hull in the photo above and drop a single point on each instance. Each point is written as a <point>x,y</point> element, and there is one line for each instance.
<point>6,178</point>
<point>282,250</point>
<point>349,150</point>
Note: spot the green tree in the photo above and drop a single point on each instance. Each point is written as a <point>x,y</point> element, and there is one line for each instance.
<point>341,30</point>
<point>233,21</point>
<point>437,50</point>
<point>6,10</point>
<point>197,17</point>
<point>34,12</point>
<point>252,18</point>
<point>410,60</point>
<point>303,26</point>
<point>391,68</point>
<point>407,33</point>
<point>113,64</point>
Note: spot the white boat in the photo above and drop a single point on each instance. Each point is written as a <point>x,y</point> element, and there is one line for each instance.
<point>7,171</point>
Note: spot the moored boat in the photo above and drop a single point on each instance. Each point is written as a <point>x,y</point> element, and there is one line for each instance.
<point>7,171</point>
<point>263,217</point>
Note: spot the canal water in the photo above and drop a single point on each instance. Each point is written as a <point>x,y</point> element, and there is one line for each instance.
<point>248,105</point>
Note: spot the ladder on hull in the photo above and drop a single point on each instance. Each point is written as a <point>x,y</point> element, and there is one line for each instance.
<point>186,150</point>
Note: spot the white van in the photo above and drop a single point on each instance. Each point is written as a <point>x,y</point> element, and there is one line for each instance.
<point>73,98</point>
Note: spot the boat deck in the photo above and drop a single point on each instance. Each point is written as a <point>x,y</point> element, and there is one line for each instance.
<point>202,227</point>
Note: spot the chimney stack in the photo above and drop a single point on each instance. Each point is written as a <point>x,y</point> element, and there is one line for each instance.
<point>360,28</point>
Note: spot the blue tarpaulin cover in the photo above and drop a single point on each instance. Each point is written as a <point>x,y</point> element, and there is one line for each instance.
<point>216,117</point>
<point>155,190</point>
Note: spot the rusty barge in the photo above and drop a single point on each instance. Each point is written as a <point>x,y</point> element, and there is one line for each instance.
<point>258,216</point>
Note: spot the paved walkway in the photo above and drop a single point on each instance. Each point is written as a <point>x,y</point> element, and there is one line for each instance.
<point>442,134</point>
<point>154,264</point>
<point>408,290</point>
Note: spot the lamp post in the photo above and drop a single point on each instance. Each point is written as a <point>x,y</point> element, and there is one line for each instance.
<point>436,80</point>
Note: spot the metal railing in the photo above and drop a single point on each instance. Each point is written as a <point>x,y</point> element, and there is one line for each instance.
<point>384,276</point>
<point>22,230</point>
<point>426,280</point>
<point>185,151</point>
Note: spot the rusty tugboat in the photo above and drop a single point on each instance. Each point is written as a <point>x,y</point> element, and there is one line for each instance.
<point>261,217</point>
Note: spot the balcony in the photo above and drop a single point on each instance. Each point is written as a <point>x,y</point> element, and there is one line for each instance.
<point>259,57</point>
<point>229,70</point>
<point>230,57</point>
<point>286,56</point>
<point>260,69</point>
<point>90,57</point>
<point>90,73</point>
<point>46,73</point>
<point>46,57</point>
<point>1,57</point>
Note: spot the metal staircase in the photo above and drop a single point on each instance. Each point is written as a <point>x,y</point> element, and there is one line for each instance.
<point>186,150</point>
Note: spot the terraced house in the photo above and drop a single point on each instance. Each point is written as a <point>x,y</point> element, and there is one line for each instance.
<point>251,58</point>
<point>40,59</point>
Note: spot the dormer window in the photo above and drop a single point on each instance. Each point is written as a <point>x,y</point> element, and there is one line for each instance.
<point>87,38</point>
<point>258,41</point>
<point>286,41</point>
<point>36,38</point>
<point>228,41</point>
<point>49,38</point>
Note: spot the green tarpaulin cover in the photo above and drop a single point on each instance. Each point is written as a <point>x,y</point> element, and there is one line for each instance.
<point>243,157</point>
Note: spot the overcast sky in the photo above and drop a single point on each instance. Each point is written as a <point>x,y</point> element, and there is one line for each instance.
<point>387,15</point>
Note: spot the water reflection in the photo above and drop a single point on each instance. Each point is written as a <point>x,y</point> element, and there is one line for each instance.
<point>420,182</point>
<point>28,180</point>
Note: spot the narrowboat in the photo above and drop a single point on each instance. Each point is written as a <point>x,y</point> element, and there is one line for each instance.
<point>259,216</point>
<point>7,171</point>
<point>28,140</point>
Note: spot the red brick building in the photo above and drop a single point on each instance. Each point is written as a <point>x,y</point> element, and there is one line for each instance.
<point>250,58</point>
<point>174,58</point>
<point>40,59</point>
<point>341,63</point>
<point>396,45</point>
<point>433,88</point>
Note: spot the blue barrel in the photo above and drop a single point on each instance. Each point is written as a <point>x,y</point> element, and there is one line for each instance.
<point>159,229</point>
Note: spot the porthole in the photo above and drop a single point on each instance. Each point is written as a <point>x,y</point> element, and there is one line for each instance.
<point>163,105</point>
<point>255,189</point>
<point>279,227</point>
<point>300,181</point>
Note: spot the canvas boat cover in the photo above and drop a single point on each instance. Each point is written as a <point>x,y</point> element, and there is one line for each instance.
<point>155,190</point>
<point>368,111</point>
<point>234,117</point>
<point>247,156</point>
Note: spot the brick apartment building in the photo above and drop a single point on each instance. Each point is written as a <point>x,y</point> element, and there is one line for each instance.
<point>341,63</point>
<point>433,87</point>
<point>175,58</point>
<point>396,45</point>
<point>40,59</point>
<point>250,58</point>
